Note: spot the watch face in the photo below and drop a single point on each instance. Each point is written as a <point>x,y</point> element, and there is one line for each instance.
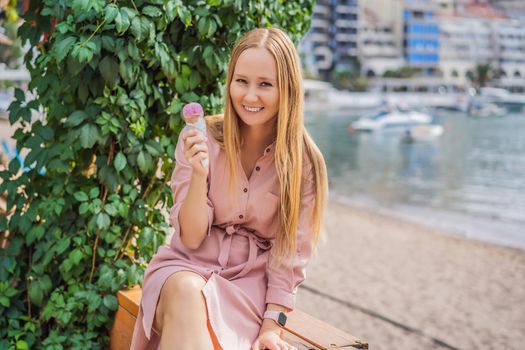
<point>282,319</point>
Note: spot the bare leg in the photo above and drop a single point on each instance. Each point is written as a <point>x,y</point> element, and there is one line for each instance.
<point>181,313</point>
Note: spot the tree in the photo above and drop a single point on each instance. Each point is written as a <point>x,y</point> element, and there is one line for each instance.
<point>482,74</point>
<point>87,212</point>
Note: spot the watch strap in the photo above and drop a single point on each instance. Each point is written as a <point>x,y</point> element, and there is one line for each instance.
<point>278,316</point>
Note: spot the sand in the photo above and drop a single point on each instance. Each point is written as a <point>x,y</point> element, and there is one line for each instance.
<point>400,285</point>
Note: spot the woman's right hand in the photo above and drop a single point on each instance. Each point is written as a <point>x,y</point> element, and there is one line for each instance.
<point>195,150</point>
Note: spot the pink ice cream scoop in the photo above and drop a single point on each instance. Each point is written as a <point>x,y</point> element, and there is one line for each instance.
<point>194,117</point>
<point>192,110</point>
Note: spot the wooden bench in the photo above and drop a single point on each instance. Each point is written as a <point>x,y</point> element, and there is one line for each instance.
<point>302,330</point>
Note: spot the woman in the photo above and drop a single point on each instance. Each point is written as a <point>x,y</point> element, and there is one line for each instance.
<point>245,226</point>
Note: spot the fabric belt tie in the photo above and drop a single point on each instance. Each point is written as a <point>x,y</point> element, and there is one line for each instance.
<point>254,241</point>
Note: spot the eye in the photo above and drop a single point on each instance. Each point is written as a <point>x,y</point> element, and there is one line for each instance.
<point>266,84</point>
<point>242,81</point>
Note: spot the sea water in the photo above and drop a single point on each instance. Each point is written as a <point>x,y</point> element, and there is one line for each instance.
<point>468,181</point>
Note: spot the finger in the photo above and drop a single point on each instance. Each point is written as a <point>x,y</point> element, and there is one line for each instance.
<point>191,140</point>
<point>187,133</point>
<point>199,155</point>
<point>199,147</point>
<point>256,345</point>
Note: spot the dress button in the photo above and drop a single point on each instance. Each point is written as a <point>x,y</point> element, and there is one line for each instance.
<point>257,168</point>
<point>241,216</point>
<point>245,190</point>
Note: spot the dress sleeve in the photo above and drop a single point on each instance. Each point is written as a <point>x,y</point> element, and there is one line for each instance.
<point>180,181</point>
<point>284,280</point>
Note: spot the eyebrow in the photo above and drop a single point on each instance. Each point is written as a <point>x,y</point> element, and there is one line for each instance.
<point>259,78</point>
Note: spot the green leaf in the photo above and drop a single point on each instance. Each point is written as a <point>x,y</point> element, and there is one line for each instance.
<point>84,208</point>
<point>88,135</point>
<point>81,196</point>
<point>62,48</point>
<point>94,193</point>
<point>184,15</point>
<point>122,21</point>
<point>19,95</point>
<point>153,148</point>
<point>63,244</point>
<point>144,161</point>
<point>76,256</point>
<point>151,11</point>
<point>35,234</point>
<point>110,209</point>
<point>109,69</point>
<point>76,118</point>
<point>120,162</point>
<point>4,301</point>
<point>133,51</point>
<point>36,295</point>
<point>137,29</point>
<point>111,302</point>
<point>111,12</point>
<point>82,53</point>
<point>174,107</point>
<point>202,26</point>
<point>21,345</point>
<point>103,220</point>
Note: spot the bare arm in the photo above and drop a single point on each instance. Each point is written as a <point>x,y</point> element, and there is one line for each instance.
<point>193,215</point>
<point>270,325</point>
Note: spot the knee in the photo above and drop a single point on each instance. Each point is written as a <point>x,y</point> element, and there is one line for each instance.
<point>181,288</point>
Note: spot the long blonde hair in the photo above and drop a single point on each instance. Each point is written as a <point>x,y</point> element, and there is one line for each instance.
<point>292,138</point>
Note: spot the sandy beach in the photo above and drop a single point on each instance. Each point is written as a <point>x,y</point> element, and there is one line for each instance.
<point>400,285</point>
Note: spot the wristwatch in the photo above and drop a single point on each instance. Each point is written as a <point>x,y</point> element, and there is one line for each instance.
<point>278,316</point>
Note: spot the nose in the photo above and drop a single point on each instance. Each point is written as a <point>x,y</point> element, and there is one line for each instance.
<point>251,94</point>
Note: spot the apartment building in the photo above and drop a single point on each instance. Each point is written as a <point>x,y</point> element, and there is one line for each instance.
<point>421,35</point>
<point>380,36</point>
<point>332,41</point>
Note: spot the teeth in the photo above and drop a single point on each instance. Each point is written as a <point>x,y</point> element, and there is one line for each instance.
<point>254,109</point>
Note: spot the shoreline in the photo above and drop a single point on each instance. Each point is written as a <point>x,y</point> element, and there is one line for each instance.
<point>497,232</point>
<point>397,283</point>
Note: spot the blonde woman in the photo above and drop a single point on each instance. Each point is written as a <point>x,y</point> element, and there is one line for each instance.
<point>246,226</point>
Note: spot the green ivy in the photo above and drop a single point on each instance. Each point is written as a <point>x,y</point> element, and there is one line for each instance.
<point>88,210</point>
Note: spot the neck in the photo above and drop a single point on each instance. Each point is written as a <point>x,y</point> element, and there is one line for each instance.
<point>258,136</point>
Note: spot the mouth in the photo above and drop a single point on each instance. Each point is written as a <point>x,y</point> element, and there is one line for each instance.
<point>252,109</point>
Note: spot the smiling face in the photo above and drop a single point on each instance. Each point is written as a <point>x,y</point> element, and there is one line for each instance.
<point>253,90</point>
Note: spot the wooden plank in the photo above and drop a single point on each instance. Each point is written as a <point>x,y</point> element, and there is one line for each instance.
<point>320,333</point>
<point>302,330</point>
<point>122,330</point>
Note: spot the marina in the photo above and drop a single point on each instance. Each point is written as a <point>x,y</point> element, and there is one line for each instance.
<point>468,178</point>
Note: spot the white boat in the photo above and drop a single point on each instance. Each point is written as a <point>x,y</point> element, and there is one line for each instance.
<point>486,110</point>
<point>423,132</point>
<point>393,119</point>
<point>500,97</point>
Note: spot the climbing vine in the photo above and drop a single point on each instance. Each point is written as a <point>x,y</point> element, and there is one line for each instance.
<point>87,208</point>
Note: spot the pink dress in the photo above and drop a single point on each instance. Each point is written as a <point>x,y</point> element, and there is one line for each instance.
<point>234,256</point>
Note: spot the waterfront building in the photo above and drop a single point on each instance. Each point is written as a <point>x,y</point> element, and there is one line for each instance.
<point>513,8</point>
<point>509,53</point>
<point>380,37</point>
<point>421,36</point>
<point>464,43</point>
<point>332,41</point>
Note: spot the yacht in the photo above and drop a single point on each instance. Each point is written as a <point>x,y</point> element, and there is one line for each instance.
<point>500,97</point>
<point>394,118</point>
